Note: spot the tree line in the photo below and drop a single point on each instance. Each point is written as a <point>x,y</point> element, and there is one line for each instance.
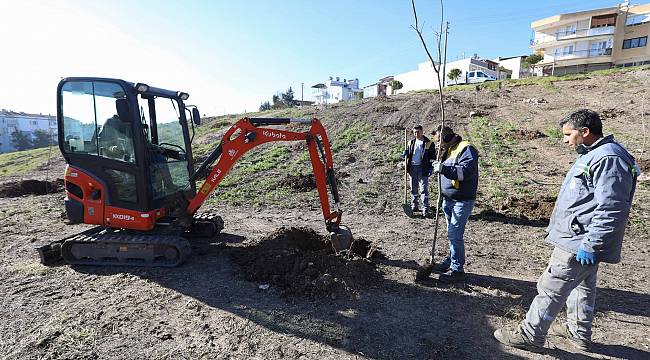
<point>23,140</point>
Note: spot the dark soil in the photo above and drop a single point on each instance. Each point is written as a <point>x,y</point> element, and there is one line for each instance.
<point>533,209</point>
<point>301,264</point>
<point>30,187</point>
<point>299,182</point>
<point>524,134</point>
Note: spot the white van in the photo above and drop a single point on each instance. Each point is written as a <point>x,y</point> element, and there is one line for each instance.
<point>473,77</point>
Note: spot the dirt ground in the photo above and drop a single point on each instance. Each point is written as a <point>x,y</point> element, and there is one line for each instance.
<point>268,288</point>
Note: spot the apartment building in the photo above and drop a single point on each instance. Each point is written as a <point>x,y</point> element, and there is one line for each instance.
<point>592,40</point>
<point>335,90</point>
<point>11,121</point>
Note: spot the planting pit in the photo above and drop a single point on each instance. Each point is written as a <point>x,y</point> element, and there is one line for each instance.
<point>30,187</point>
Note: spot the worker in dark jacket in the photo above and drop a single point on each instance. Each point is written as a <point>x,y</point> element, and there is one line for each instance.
<point>586,228</point>
<point>458,166</point>
<point>419,157</point>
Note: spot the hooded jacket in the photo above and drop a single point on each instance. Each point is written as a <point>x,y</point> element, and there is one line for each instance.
<point>593,205</point>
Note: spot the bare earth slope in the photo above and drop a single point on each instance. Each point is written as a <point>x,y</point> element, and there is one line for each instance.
<point>213,307</point>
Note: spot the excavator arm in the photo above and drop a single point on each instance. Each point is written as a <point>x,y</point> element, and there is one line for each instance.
<point>245,134</point>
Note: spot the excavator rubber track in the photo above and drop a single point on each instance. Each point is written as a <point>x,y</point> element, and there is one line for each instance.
<point>125,248</point>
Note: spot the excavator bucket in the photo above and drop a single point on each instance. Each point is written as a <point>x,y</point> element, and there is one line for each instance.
<point>341,238</point>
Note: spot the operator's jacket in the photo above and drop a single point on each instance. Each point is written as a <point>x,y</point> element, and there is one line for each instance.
<point>460,171</point>
<point>593,206</point>
<point>428,155</point>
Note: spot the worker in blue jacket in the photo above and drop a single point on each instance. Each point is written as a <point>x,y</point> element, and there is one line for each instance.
<point>586,228</point>
<point>458,166</point>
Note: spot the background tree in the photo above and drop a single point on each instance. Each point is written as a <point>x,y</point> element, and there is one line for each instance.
<point>395,85</point>
<point>454,74</point>
<point>21,141</point>
<point>277,102</point>
<point>41,138</point>
<point>287,98</point>
<point>531,60</point>
<point>265,106</point>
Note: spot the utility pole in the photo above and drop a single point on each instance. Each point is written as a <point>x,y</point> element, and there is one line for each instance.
<point>302,94</point>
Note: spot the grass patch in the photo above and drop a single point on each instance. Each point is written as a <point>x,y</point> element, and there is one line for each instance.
<point>20,162</point>
<point>269,159</point>
<point>554,133</point>
<point>257,191</point>
<point>498,161</point>
<point>356,132</point>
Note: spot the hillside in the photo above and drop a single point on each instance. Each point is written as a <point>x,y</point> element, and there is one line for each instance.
<point>214,306</point>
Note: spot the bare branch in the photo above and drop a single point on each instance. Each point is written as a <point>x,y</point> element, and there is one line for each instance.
<point>441,66</point>
<point>418,30</point>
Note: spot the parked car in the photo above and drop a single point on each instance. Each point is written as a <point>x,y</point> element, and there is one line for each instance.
<point>472,77</point>
<point>478,77</point>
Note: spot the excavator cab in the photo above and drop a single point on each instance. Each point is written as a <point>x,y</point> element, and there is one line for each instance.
<point>130,171</point>
<point>130,143</point>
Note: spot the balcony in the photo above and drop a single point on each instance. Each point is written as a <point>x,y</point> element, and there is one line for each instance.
<point>583,54</point>
<point>573,34</point>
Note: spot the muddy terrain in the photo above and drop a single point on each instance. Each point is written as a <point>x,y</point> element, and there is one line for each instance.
<point>269,287</point>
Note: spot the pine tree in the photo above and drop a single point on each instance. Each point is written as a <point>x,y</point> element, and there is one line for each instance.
<point>287,98</point>
<point>20,140</point>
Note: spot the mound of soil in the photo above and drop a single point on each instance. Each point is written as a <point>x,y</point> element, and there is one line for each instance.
<point>529,208</point>
<point>524,134</point>
<point>301,263</point>
<point>299,182</point>
<point>30,187</point>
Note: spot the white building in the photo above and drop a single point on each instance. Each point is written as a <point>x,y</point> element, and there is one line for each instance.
<point>335,90</point>
<point>422,78</point>
<point>11,122</point>
<point>516,65</point>
<point>380,88</point>
<point>592,40</point>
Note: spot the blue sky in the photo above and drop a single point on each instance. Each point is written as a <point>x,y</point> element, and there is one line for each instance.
<point>232,55</point>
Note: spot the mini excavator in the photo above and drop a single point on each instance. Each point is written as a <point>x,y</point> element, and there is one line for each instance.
<point>130,171</point>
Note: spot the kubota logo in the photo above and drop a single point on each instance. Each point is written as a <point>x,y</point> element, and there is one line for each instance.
<point>274,135</point>
<point>123,217</point>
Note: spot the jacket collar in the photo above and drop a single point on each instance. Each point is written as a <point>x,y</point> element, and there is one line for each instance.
<point>602,141</point>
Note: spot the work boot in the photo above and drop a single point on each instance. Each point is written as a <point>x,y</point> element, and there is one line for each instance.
<point>517,339</point>
<point>562,329</point>
<point>452,276</point>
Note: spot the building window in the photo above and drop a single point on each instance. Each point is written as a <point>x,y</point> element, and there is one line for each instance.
<point>635,42</point>
<point>637,19</point>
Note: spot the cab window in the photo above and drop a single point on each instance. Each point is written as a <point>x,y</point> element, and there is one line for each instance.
<point>92,123</point>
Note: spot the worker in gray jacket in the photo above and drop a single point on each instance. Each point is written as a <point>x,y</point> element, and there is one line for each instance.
<point>586,228</point>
